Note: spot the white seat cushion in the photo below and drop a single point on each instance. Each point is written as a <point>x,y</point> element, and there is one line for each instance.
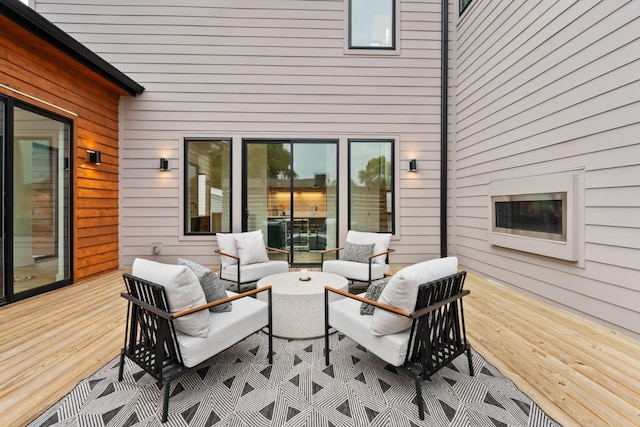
<point>381,241</point>
<point>253,272</point>
<point>355,270</point>
<point>402,292</point>
<point>226,329</point>
<point>344,315</point>
<point>183,291</point>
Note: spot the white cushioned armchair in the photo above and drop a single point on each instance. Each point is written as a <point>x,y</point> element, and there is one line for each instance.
<point>244,257</point>
<point>417,322</point>
<point>363,258</point>
<point>171,327</point>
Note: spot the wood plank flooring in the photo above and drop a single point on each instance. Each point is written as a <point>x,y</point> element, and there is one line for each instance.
<point>580,373</point>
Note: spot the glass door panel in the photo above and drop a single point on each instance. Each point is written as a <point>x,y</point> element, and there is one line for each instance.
<point>41,202</point>
<point>295,210</point>
<point>314,199</point>
<point>267,197</point>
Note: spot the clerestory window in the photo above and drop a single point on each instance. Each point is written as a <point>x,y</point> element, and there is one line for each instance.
<point>464,4</point>
<point>372,24</point>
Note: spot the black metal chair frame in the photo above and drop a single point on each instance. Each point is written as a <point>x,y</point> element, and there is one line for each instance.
<point>438,334</point>
<point>238,265</point>
<point>371,261</point>
<point>150,335</point>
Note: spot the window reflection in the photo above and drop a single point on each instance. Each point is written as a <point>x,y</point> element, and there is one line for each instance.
<point>371,185</point>
<point>208,208</point>
<point>371,24</point>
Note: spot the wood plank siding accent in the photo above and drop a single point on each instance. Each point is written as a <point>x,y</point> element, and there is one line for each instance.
<point>261,69</point>
<point>546,86</point>
<point>31,66</point>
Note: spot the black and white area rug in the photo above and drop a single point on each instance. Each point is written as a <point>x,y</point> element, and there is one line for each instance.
<point>239,388</point>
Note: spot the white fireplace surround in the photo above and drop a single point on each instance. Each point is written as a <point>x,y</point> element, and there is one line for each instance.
<point>569,182</point>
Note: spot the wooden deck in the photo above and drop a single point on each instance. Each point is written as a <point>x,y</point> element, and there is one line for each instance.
<point>580,373</point>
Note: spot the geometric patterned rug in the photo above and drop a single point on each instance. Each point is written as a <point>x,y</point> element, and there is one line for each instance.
<point>239,388</point>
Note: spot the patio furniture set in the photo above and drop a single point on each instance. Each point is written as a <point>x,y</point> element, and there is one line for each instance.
<point>179,316</point>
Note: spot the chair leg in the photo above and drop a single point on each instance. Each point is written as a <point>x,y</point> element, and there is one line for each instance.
<point>469,358</point>
<point>165,403</point>
<point>326,348</point>
<point>326,327</point>
<point>121,368</point>
<point>419,397</point>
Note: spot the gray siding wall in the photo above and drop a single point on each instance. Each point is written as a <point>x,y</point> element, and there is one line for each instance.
<point>260,68</point>
<point>546,86</point>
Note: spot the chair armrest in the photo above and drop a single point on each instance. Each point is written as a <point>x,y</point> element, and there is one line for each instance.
<point>388,251</point>
<point>368,301</point>
<point>326,251</point>
<point>433,307</point>
<point>222,301</point>
<point>269,248</point>
<point>219,252</point>
<point>148,307</point>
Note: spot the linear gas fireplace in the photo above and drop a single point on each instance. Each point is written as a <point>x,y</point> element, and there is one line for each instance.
<point>541,214</point>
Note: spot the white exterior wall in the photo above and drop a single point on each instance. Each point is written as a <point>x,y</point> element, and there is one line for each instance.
<point>261,68</point>
<point>546,86</point>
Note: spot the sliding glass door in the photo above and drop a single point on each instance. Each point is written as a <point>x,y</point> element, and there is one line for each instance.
<point>290,193</point>
<point>36,234</point>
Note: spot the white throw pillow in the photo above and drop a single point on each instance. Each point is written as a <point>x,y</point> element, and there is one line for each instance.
<point>183,292</point>
<point>381,241</point>
<point>227,244</point>
<point>251,249</point>
<point>402,292</point>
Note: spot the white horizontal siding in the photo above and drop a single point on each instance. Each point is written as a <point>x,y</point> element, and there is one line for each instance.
<point>546,86</point>
<point>260,68</point>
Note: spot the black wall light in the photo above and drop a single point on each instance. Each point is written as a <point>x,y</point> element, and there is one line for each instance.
<point>164,164</point>
<point>94,156</point>
<point>413,167</point>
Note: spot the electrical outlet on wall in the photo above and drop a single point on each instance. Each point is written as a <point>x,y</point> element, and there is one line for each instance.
<point>155,247</point>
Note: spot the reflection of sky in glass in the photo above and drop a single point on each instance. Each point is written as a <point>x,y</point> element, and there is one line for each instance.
<point>311,159</point>
<point>362,152</point>
<point>371,23</point>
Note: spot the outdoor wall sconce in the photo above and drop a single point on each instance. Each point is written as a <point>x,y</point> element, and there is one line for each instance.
<point>94,156</point>
<point>413,167</point>
<point>164,164</point>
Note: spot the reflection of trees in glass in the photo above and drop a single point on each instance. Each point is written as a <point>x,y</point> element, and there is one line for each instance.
<point>277,157</point>
<point>208,191</point>
<point>376,173</point>
<point>219,163</point>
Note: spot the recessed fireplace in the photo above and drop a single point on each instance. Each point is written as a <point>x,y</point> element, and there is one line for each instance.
<point>541,214</point>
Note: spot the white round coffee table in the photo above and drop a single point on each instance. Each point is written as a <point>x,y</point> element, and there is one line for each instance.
<point>298,306</point>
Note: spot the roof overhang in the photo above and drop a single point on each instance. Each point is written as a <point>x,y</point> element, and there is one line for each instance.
<point>36,24</point>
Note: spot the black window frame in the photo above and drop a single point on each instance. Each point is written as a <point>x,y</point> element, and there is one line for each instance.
<point>186,205</point>
<point>463,4</point>
<point>393,32</point>
<point>392,185</point>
